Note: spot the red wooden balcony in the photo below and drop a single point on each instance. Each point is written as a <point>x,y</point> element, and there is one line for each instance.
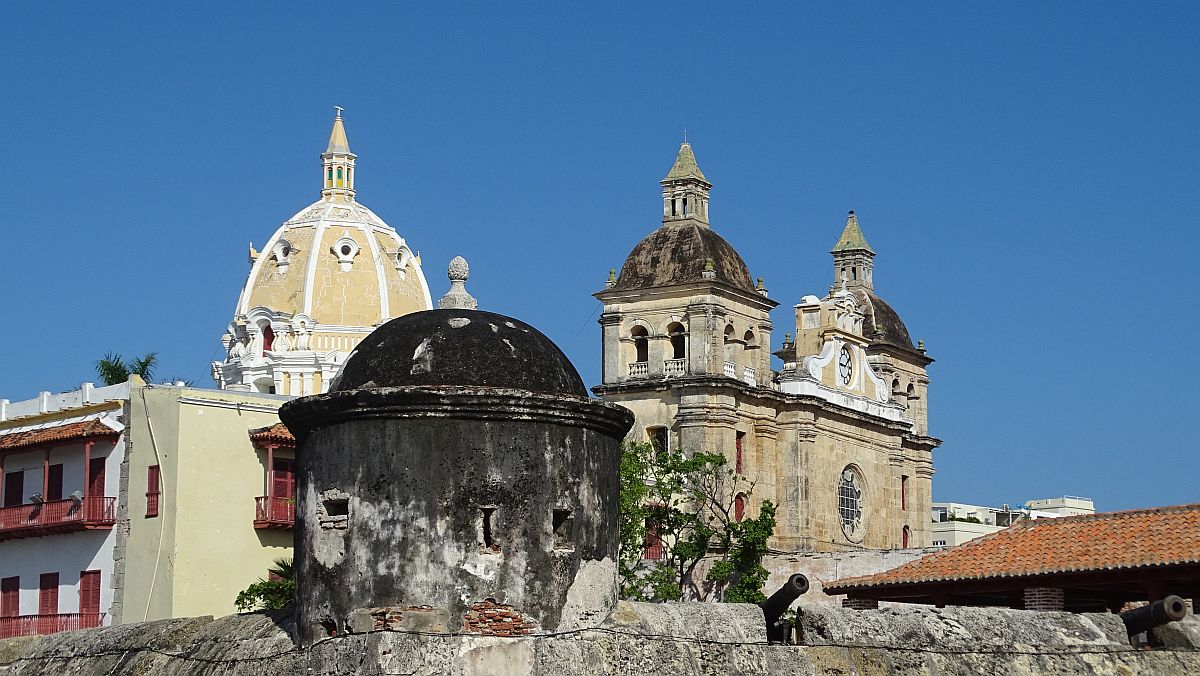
<point>31,625</point>
<point>272,512</point>
<point>57,516</point>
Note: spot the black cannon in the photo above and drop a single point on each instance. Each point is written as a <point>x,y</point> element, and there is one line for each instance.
<point>1168,609</point>
<point>777,604</point>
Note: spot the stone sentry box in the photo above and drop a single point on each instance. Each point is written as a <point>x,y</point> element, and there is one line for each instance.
<point>457,478</point>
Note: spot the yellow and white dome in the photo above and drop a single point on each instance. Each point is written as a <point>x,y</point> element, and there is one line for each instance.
<point>327,277</point>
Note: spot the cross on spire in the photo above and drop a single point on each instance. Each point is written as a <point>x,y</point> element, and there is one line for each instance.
<point>339,110</point>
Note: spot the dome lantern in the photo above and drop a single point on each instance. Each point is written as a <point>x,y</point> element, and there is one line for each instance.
<point>337,163</point>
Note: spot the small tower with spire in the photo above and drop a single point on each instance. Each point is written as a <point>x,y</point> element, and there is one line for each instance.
<point>685,190</point>
<point>337,171</point>
<point>853,258</point>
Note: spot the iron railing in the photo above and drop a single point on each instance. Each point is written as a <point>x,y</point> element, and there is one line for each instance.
<point>274,512</point>
<point>71,514</point>
<point>32,625</point>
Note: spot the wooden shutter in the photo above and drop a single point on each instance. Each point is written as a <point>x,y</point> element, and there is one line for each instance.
<point>48,594</point>
<point>14,489</point>
<point>89,592</point>
<point>96,477</point>
<point>285,479</point>
<point>10,597</point>
<point>153,478</point>
<point>54,482</point>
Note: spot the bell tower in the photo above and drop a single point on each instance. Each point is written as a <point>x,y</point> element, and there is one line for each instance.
<point>685,190</point>
<point>337,171</point>
<point>853,258</point>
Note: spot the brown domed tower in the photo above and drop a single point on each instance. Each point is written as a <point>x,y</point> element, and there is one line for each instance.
<point>686,339</point>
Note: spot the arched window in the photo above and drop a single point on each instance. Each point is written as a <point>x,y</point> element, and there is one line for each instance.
<point>747,352</point>
<point>329,178</point>
<point>739,507</point>
<point>640,343</point>
<point>678,340</point>
<point>340,182</point>
<point>730,345</point>
<point>904,535</point>
<point>268,338</point>
<point>349,179</point>
<point>850,503</point>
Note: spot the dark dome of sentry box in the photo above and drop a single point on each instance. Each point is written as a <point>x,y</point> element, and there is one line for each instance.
<point>462,348</point>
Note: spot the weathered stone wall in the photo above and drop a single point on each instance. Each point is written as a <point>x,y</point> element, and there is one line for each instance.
<point>636,639</point>
<point>446,498</point>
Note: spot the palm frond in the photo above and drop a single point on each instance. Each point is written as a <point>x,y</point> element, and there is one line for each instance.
<point>112,370</point>
<point>144,366</point>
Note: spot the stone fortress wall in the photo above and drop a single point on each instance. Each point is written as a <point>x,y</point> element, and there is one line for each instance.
<point>638,638</point>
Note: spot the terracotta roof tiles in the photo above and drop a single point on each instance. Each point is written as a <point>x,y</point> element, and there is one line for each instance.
<point>56,434</point>
<point>276,434</point>
<point>1138,538</point>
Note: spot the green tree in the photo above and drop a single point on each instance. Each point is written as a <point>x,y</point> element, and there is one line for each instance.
<point>113,370</point>
<point>689,502</point>
<point>274,592</point>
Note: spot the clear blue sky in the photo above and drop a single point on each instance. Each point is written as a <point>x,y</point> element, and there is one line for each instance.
<point>1027,173</point>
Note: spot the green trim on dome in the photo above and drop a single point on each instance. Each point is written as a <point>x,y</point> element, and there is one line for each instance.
<point>852,237</point>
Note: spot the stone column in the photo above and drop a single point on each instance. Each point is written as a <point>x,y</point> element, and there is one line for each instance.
<point>610,344</point>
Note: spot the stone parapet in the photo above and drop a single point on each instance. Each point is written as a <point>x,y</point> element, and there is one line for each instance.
<point>638,638</point>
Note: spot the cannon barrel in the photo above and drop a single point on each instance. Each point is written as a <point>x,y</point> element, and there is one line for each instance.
<point>777,604</point>
<point>1168,609</point>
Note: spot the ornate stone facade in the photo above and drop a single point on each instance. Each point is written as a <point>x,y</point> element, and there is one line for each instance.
<point>838,439</point>
<point>327,277</point>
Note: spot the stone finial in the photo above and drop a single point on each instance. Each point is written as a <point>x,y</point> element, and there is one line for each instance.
<point>710,269</point>
<point>612,278</point>
<point>762,290</point>
<point>921,346</point>
<point>457,297</point>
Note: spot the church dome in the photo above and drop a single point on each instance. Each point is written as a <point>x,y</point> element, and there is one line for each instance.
<point>338,264</point>
<point>461,348</point>
<point>882,324</point>
<point>324,280</point>
<point>678,253</point>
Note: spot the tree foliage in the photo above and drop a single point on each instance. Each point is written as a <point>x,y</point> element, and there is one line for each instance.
<point>113,370</point>
<point>689,501</point>
<point>274,592</point>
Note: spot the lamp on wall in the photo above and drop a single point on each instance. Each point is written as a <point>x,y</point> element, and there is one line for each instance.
<point>36,498</point>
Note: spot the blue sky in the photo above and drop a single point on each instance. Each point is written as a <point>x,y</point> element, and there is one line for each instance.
<point>1027,173</point>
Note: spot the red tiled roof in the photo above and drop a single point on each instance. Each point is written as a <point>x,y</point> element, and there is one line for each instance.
<point>1107,541</point>
<point>275,434</point>
<point>58,433</point>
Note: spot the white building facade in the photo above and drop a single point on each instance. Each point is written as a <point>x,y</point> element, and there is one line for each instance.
<point>60,458</point>
<point>955,522</point>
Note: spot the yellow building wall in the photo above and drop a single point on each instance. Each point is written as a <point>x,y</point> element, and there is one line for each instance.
<point>152,437</point>
<point>220,474</point>
<point>202,549</point>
